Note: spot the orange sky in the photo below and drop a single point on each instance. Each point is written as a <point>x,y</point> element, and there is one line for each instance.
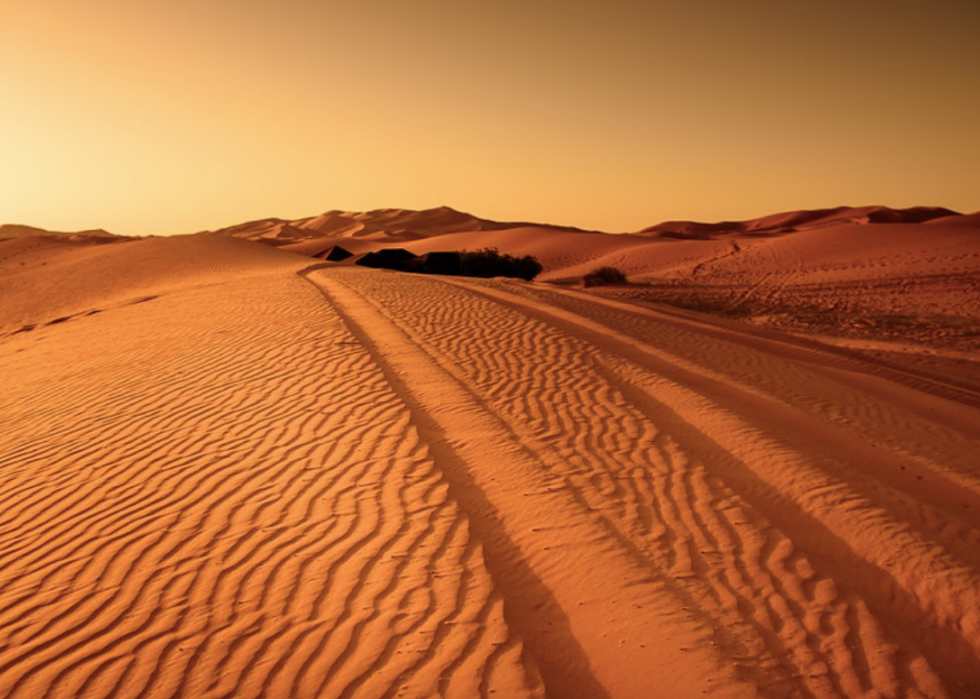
<point>173,117</point>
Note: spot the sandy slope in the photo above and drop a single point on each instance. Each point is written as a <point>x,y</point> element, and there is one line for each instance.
<point>216,493</point>
<point>231,471</point>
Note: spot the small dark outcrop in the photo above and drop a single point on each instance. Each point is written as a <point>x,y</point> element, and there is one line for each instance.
<point>603,276</point>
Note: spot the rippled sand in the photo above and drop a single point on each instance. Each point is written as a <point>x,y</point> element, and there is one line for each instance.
<point>230,471</point>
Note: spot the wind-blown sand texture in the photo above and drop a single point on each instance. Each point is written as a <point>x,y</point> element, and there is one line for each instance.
<point>228,470</point>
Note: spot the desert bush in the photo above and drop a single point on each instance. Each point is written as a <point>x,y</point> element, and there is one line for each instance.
<point>490,262</point>
<point>601,276</point>
<point>397,259</point>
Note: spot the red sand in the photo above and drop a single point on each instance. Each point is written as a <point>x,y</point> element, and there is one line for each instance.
<point>228,470</point>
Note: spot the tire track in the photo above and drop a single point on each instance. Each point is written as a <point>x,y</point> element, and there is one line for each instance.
<point>940,529</point>
<point>729,513</point>
<point>565,613</point>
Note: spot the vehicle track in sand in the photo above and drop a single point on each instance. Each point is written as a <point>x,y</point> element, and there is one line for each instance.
<point>771,494</point>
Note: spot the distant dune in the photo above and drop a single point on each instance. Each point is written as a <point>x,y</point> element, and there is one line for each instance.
<point>15,231</point>
<point>230,468</point>
<point>383,224</point>
<point>800,220</point>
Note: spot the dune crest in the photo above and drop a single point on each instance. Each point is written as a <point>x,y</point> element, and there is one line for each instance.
<point>381,224</point>
<point>799,220</point>
<point>9,230</point>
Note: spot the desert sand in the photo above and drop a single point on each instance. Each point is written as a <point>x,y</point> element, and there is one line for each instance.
<point>229,468</point>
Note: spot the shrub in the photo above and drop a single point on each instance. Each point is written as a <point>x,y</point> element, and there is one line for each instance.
<point>489,262</point>
<point>601,276</point>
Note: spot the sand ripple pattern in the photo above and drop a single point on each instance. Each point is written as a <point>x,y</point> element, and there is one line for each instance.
<point>760,498</point>
<point>216,494</point>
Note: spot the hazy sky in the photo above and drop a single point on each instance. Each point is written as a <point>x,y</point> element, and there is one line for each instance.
<point>171,117</point>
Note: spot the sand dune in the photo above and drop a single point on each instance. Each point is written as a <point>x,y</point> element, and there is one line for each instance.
<point>9,230</point>
<point>229,470</point>
<point>789,221</point>
<point>380,224</point>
